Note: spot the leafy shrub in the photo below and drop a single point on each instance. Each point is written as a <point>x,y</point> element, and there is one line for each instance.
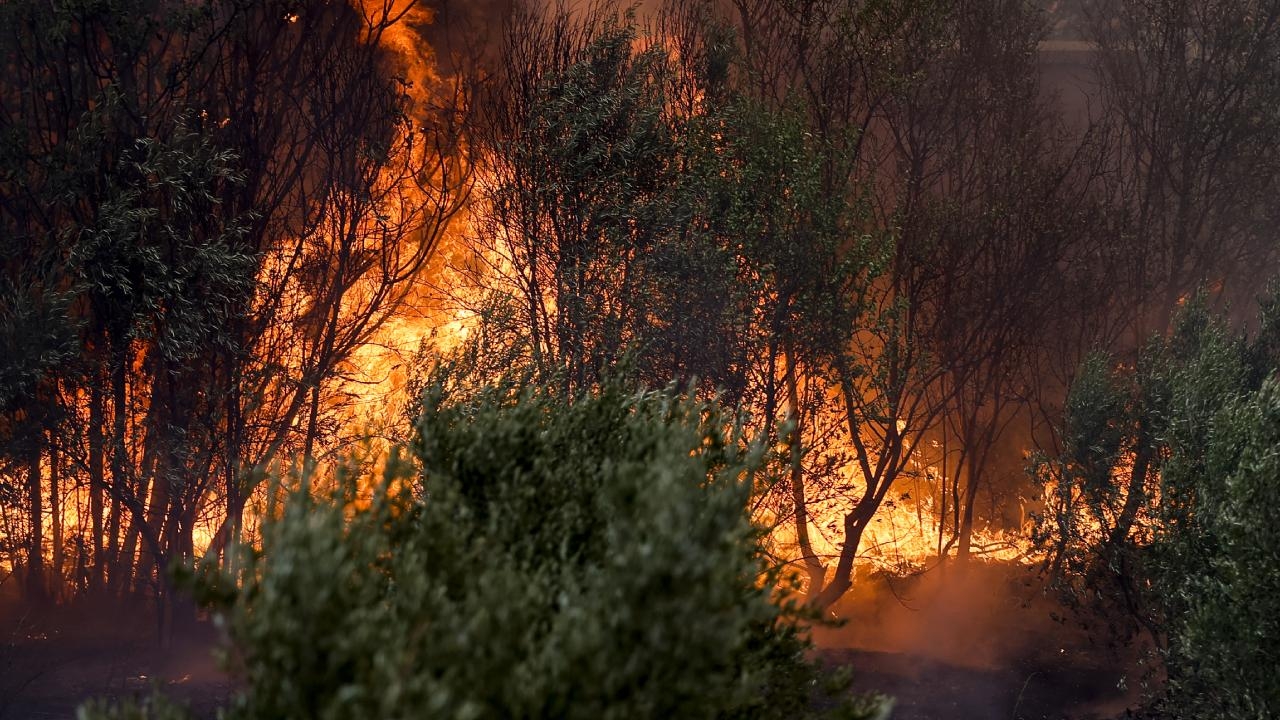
<point>1164,503</point>
<point>531,557</point>
<point>1217,561</point>
<point>155,706</point>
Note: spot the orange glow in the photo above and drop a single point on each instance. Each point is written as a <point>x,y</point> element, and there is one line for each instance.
<point>906,533</point>
<point>435,312</point>
<point>375,376</point>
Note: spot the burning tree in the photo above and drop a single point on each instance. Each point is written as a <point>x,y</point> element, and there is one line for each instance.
<point>857,222</point>
<point>1191,127</point>
<point>553,557</point>
<point>641,201</point>
<point>941,123</point>
<point>1160,507</point>
<point>223,201</point>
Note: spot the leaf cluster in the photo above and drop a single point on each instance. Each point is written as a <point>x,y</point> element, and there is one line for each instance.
<point>530,556</point>
<point>1191,553</point>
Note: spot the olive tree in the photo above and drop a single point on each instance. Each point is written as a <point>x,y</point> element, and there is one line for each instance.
<point>1160,509</point>
<point>532,555</point>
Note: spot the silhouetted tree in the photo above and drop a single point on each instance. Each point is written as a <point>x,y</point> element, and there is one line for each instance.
<point>236,195</point>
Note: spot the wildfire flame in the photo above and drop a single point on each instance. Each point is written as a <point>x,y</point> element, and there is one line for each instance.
<point>905,536</point>
<point>908,531</point>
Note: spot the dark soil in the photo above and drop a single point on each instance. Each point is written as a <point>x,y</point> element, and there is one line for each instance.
<point>929,689</point>
<point>50,665</point>
<point>987,643</point>
<point>979,645</point>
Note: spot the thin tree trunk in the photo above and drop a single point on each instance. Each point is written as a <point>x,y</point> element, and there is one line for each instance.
<point>842,578</point>
<point>182,611</point>
<point>813,565</point>
<point>942,494</point>
<point>119,475</point>
<point>1133,500</point>
<point>974,462</point>
<point>97,482</point>
<point>35,540</point>
<point>313,427</point>
<point>965,542</point>
<point>55,519</point>
<point>154,483</point>
<point>235,505</point>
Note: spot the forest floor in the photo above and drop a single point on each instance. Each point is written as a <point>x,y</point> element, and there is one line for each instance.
<point>925,688</point>
<point>982,644</point>
<point>50,665</point>
<point>979,645</point>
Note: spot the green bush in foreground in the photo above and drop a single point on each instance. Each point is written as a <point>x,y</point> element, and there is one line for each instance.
<point>1217,564</point>
<point>1176,463</point>
<point>533,558</point>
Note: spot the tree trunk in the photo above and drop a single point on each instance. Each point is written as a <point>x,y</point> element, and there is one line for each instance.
<point>119,463</point>
<point>973,466</point>
<point>181,614</point>
<point>979,443</point>
<point>842,578</point>
<point>35,539</point>
<point>97,483</point>
<point>1133,500</point>
<point>55,519</point>
<point>965,542</point>
<point>235,504</point>
<point>313,428</point>
<point>812,564</point>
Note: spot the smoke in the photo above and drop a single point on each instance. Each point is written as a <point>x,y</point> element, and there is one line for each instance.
<point>983,641</point>
<point>981,616</point>
<point>470,29</point>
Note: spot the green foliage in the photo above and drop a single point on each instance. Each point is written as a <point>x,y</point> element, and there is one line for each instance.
<point>759,189</point>
<point>533,557</point>
<point>1084,492</point>
<point>1164,507</point>
<point>583,160</point>
<point>1217,560</point>
<point>156,706</point>
<point>158,256</point>
<point>37,336</point>
<point>651,212</point>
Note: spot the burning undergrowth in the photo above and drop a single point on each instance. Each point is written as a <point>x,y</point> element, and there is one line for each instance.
<point>237,234</point>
